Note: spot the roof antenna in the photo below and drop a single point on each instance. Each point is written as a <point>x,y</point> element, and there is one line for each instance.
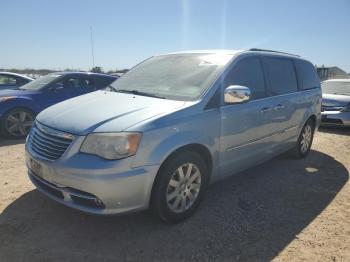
<point>92,48</point>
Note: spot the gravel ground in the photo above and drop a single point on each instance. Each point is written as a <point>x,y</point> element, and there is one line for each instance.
<point>283,210</point>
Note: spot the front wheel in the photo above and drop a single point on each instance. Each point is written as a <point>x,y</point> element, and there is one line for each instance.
<point>17,123</point>
<point>179,187</point>
<point>303,145</point>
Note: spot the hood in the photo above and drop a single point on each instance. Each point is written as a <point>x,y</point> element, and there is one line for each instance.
<point>335,100</point>
<point>104,111</point>
<point>16,92</point>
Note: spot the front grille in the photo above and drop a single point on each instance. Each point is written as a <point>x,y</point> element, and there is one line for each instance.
<point>48,143</point>
<point>331,108</point>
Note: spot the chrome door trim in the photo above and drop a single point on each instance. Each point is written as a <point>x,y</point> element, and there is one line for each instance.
<point>260,139</point>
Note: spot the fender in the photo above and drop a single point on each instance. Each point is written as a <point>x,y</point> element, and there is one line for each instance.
<point>24,102</point>
<point>171,138</point>
<point>164,149</point>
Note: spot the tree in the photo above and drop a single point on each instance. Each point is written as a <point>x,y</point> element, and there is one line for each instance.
<point>97,69</point>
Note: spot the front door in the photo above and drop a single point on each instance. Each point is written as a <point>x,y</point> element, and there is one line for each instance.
<point>245,130</point>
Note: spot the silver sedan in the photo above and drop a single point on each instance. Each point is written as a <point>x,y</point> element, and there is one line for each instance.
<point>336,102</point>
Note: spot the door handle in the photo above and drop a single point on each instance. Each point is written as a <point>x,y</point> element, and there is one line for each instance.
<point>265,109</point>
<point>278,107</point>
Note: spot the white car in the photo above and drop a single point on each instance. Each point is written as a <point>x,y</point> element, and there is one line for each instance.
<point>336,102</point>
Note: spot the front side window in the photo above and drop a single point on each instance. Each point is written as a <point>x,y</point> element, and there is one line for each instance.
<point>281,76</point>
<point>41,82</point>
<point>76,83</point>
<point>248,73</point>
<point>176,77</point>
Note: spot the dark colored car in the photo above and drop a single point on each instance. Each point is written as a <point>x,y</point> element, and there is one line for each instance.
<point>10,80</point>
<point>19,107</point>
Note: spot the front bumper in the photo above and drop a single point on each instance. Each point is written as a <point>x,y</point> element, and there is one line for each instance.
<point>335,118</point>
<point>93,185</point>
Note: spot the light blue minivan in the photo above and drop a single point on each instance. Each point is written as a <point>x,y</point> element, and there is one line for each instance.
<point>160,134</point>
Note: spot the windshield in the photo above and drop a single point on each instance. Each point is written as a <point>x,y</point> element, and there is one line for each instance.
<point>176,77</point>
<point>40,82</point>
<point>337,88</point>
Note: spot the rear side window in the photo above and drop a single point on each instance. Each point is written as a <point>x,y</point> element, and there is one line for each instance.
<point>307,75</point>
<point>248,72</point>
<point>7,80</point>
<point>77,83</point>
<point>281,75</point>
<point>102,82</point>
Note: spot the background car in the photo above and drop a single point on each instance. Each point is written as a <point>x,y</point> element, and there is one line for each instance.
<point>336,102</point>
<point>19,107</point>
<point>10,80</point>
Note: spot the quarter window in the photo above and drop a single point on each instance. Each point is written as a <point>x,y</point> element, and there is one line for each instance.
<point>248,72</point>
<point>307,75</point>
<point>281,75</point>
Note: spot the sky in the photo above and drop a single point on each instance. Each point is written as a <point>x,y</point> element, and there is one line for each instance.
<point>56,34</point>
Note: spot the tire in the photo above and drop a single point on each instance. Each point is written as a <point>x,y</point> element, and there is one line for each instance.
<point>171,187</point>
<point>17,122</point>
<point>303,145</point>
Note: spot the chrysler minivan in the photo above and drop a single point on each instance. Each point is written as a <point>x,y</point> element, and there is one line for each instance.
<point>175,123</point>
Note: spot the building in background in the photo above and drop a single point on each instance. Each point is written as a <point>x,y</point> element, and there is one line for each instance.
<point>326,72</point>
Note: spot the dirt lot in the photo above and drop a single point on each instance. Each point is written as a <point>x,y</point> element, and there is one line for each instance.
<point>283,210</point>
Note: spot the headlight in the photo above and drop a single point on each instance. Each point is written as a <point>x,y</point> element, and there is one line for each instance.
<point>5,98</point>
<point>111,145</point>
<point>346,108</point>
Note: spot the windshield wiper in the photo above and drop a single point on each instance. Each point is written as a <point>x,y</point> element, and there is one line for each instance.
<point>111,88</point>
<point>136,92</point>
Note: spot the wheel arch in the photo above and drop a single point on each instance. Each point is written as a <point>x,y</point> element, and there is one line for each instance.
<point>311,117</point>
<point>201,149</point>
<point>20,107</point>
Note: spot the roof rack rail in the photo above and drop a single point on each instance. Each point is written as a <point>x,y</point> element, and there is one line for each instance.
<point>272,51</point>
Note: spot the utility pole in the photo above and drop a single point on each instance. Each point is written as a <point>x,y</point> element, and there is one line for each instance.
<point>92,48</point>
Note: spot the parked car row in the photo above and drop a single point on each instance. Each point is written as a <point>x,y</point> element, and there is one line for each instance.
<point>160,134</point>
<point>20,105</point>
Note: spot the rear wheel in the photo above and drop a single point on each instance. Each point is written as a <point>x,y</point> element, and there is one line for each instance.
<point>303,145</point>
<point>179,187</point>
<point>17,123</point>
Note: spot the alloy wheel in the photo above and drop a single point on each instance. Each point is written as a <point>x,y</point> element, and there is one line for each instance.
<point>183,188</point>
<point>19,123</point>
<point>306,139</point>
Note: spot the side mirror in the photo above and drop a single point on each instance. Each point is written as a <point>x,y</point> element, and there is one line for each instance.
<point>236,94</point>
